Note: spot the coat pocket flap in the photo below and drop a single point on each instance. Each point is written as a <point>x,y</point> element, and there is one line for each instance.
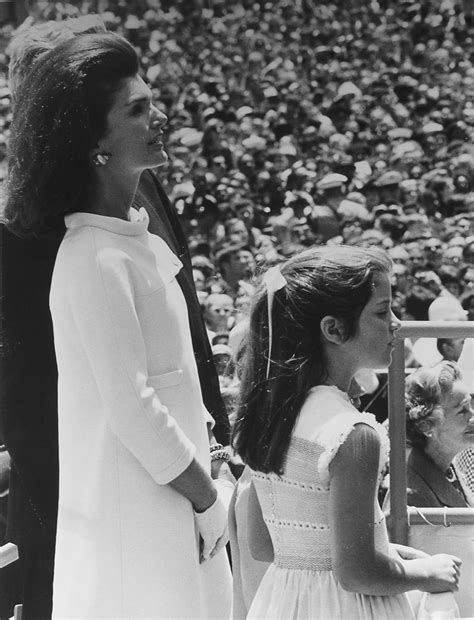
<point>166,380</point>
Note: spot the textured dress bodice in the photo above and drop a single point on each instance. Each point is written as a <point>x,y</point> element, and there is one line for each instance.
<point>296,510</point>
<point>300,583</point>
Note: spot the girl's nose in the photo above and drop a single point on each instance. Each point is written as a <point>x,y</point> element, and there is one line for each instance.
<point>158,117</point>
<point>395,323</point>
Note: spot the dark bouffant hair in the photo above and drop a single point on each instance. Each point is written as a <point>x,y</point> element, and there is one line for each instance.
<point>59,116</point>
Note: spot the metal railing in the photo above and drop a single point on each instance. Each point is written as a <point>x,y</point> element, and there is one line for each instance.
<point>401,517</point>
<point>396,413</point>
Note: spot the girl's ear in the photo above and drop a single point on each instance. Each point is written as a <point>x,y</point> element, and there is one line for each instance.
<point>332,329</point>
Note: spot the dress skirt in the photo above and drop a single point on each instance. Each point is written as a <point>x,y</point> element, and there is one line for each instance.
<point>290,594</point>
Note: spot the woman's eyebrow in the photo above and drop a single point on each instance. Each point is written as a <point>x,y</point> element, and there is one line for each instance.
<point>138,99</point>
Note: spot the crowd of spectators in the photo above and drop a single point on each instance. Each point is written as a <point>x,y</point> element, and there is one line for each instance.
<point>293,123</point>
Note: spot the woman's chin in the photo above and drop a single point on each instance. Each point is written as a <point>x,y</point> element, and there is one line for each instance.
<point>159,158</point>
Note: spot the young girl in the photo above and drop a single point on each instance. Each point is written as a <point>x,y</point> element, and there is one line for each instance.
<point>316,459</point>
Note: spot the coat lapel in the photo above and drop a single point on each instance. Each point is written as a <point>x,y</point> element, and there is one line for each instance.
<point>446,493</point>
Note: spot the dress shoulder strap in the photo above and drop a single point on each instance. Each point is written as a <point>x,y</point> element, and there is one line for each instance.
<point>335,432</point>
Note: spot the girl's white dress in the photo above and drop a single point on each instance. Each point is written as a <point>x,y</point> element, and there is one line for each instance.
<point>300,582</point>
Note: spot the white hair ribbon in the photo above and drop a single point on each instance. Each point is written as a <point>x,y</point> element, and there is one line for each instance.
<point>274,281</point>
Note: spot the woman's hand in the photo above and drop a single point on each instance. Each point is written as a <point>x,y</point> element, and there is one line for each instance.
<point>212,527</point>
<point>443,572</point>
<point>210,513</point>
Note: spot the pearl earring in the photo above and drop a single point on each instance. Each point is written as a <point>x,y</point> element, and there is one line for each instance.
<point>101,159</point>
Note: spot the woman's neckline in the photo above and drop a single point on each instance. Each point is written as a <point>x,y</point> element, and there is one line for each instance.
<point>136,225</point>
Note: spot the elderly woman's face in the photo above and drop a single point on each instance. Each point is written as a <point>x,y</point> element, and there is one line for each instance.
<point>455,429</point>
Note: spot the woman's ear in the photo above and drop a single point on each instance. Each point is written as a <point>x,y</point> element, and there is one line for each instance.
<point>332,329</point>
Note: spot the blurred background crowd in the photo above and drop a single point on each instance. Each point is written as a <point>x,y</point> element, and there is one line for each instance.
<point>293,123</point>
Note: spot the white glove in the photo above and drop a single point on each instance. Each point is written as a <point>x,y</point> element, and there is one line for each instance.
<point>225,490</point>
<point>212,527</point>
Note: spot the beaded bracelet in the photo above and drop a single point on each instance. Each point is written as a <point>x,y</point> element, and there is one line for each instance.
<point>216,446</point>
<point>222,455</point>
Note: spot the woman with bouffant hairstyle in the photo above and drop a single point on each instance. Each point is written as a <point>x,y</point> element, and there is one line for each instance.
<point>59,117</point>
<point>141,524</point>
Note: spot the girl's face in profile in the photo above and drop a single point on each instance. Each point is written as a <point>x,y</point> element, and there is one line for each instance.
<point>375,337</point>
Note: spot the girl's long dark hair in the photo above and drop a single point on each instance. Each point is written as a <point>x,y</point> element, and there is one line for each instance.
<point>336,281</point>
<point>59,115</point>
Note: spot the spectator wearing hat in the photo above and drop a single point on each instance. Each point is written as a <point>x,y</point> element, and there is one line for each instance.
<point>433,137</point>
<point>324,218</point>
<point>388,186</point>
<point>351,209</point>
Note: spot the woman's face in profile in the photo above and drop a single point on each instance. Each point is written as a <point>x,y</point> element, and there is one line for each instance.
<point>134,129</point>
<point>455,429</point>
